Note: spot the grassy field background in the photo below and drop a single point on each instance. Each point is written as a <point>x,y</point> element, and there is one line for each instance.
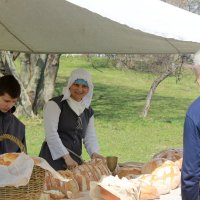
<point>118,102</point>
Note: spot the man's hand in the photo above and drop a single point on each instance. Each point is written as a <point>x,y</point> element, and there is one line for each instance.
<point>70,162</point>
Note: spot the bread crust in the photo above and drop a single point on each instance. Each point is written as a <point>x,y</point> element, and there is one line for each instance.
<point>7,158</point>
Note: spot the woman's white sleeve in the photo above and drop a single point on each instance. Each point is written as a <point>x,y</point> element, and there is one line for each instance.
<point>51,119</point>
<point>90,140</point>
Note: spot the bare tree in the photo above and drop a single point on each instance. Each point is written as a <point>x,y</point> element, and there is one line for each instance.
<point>190,5</point>
<point>46,85</point>
<point>174,67</point>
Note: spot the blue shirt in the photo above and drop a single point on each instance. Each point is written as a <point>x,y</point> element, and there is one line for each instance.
<point>190,176</point>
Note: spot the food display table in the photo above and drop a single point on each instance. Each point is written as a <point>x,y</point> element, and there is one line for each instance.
<point>173,195</point>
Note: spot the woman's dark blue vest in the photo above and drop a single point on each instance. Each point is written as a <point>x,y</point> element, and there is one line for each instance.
<point>71,130</point>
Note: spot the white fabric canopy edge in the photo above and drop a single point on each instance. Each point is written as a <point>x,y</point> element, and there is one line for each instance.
<point>63,27</point>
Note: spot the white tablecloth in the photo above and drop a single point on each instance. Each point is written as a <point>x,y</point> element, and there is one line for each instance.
<point>173,195</point>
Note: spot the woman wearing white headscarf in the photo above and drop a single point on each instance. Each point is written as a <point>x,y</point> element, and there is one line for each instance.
<point>69,120</point>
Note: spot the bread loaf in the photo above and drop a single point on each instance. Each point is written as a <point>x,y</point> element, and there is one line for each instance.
<point>101,167</point>
<point>170,154</point>
<point>179,163</point>
<point>90,171</point>
<point>82,170</point>
<point>150,166</point>
<point>8,158</point>
<point>165,177</point>
<point>82,182</point>
<point>148,192</point>
<point>169,174</point>
<point>129,170</point>
<point>72,185</point>
<point>70,188</point>
<point>55,194</point>
<point>147,180</point>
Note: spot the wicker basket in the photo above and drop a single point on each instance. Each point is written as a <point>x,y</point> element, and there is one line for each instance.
<point>31,191</point>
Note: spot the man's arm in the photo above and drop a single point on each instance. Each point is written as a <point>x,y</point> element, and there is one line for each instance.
<point>191,161</point>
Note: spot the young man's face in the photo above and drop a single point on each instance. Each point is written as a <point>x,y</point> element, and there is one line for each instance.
<point>6,102</point>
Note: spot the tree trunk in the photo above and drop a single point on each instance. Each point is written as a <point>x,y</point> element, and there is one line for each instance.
<point>25,73</point>
<point>37,67</point>
<point>152,91</point>
<point>47,82</point>
<point>50,74</point>
<point>155,84</point>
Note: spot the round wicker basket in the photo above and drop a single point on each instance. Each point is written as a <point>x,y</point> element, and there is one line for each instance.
<point>31,191</point>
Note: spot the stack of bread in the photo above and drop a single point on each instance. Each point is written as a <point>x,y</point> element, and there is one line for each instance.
<point>156,177</point>
<point>160,175</point>
<point>80,178</point>
<point>60,189</point>
<point>90,171</point>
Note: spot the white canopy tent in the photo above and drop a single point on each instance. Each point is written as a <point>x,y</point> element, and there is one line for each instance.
<point>97,26</point>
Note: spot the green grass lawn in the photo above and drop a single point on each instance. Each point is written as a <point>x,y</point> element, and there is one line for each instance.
<point>118,102</point>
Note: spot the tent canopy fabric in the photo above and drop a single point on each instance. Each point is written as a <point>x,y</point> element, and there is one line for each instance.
<point>97,26</point>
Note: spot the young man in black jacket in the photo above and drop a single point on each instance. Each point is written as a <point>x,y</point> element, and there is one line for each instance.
<point>9,124</point>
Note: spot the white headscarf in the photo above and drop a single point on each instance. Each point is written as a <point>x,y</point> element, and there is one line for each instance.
<point>80,74</point>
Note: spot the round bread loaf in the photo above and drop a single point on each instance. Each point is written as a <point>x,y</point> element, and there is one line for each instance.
<point>150,166</point>
<point>170,154</point>
<point>55,194</point>
<point>8,158</point>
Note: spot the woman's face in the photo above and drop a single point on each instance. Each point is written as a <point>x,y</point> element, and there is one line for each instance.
<point>78,91</point>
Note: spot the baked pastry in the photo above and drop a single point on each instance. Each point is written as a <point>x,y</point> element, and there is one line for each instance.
<point>169,174</point>
<point>179,163</point>
<point>90,171</point>
<point>170,154</point>
<point>164,178</point>
<point>150,166</point>
<point>55,194</point>
<point>148,180</point>
<point>8,158</point>
<point>129,170</point>
<point>70,188</point>
<point>148,192</point>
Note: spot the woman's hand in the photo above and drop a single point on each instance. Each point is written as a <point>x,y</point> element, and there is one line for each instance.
<point>96,155</point>
<point>70,162</point>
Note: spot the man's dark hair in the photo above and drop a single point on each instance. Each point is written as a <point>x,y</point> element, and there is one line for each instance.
<point>10,85</point>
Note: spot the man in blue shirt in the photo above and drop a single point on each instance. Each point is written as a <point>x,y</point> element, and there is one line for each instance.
<point>190,177</point>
